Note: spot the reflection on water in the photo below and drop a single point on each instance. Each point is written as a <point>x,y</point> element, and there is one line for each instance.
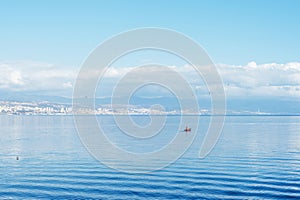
<point>255,157</point>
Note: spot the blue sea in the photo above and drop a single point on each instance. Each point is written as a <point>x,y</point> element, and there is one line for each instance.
<point>256,157</point>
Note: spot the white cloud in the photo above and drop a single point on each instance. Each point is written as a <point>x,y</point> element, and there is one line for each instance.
<point>16,78</point>
<point>10,77</point>
<point>35,76</point>
<point>269,79</point>
<point>251,80</point>
<point>116,72</point>
<point>67,85</point>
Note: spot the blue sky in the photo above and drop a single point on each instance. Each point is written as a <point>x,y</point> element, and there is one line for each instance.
<point>255,44</point>
<point>232,32</point>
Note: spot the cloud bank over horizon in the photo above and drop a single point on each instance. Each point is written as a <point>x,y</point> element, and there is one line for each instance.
<point>263,80</point>
<point>38,77</point>
<point>270,80</point>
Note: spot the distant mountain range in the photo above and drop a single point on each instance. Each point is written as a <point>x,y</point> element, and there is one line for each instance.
<point>234,106</point>
<point>28,97</point>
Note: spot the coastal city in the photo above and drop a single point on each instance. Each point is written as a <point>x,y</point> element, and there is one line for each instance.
<point>47,108</point>
<point>33,108</point>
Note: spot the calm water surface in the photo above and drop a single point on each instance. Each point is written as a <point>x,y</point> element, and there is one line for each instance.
<point>256,157</point>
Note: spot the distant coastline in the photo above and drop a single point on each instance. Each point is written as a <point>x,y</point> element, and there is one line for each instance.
<point>47,108</point>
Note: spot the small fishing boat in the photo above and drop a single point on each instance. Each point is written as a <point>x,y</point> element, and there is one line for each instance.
<point>187,129</point>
